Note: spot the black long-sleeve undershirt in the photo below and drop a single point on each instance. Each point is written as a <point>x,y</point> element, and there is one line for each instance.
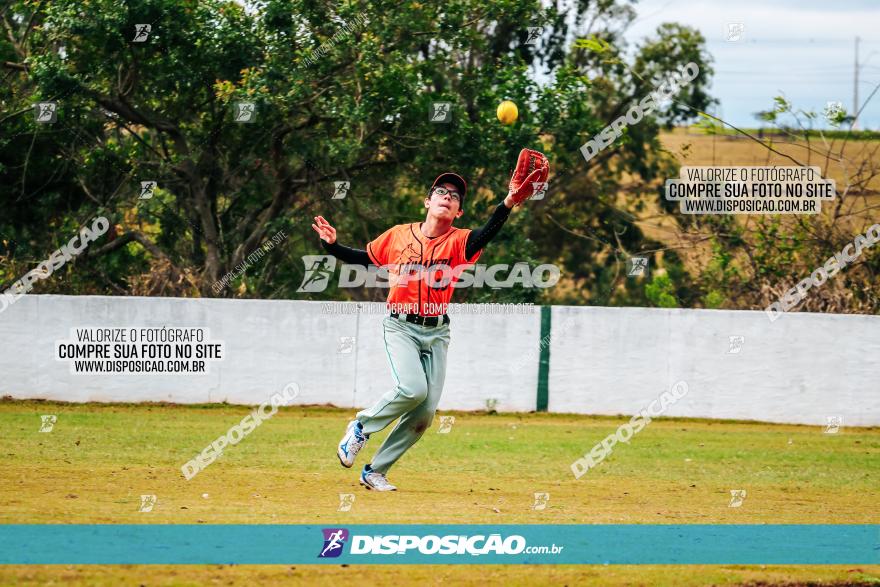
<point>347,254</point>
<point>477,239</point>
<point>480,237</point>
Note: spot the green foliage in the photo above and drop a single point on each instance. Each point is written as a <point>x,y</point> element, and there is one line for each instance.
<point>708,125</point>
<point>835,114</point>
<point>713,300</point>
<point>660,292</point>
<point>594,44</point>
<point>342,92</point>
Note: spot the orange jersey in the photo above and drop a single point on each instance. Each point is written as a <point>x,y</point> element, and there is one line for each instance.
<point>421,270</point>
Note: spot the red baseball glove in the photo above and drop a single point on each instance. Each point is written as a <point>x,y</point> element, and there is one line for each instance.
<point>531,167</point>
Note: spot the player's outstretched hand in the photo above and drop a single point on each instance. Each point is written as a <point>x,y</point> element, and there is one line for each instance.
<point>324,230</point>
<point>532,168</point>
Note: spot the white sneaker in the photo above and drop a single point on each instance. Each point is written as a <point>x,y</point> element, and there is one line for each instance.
<point>351,444</point>
<point>376,480</point>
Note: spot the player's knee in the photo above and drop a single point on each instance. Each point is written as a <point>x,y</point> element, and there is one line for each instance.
<point>416,389</point>
<point>423,424</point>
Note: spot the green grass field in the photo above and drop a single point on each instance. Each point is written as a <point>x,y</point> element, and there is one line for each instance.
<point>98,459</point>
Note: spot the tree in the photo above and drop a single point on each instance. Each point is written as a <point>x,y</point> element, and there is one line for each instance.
<point>341,93</point>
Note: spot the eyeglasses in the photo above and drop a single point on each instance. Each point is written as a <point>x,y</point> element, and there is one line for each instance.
<point>441,191</point>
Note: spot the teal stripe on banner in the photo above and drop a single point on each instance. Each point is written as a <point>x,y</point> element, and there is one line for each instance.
<point>544,361</point>
<point>769,544</point>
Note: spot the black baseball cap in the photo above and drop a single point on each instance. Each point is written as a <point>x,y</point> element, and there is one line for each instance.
<point>456,180</point>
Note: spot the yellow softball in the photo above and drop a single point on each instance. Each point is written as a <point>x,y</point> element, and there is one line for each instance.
<point>507,112</point>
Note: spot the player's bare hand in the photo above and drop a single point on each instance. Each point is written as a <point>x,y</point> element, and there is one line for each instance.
<point>324,230</point>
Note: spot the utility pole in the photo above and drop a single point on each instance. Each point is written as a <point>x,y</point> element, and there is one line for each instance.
<point>855,124</point>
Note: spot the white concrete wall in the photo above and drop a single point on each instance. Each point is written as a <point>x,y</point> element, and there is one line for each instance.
<point>801,368</point>
<point>268,345</point>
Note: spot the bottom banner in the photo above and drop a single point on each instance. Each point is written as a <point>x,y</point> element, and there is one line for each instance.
<point>791,544</point>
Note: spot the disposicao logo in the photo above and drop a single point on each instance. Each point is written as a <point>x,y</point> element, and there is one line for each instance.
<point>334,540</point>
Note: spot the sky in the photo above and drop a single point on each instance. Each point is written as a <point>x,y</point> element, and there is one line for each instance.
<point>803,49</point>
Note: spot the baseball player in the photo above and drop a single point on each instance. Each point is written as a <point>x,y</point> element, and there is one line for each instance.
<point>423,259</point>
